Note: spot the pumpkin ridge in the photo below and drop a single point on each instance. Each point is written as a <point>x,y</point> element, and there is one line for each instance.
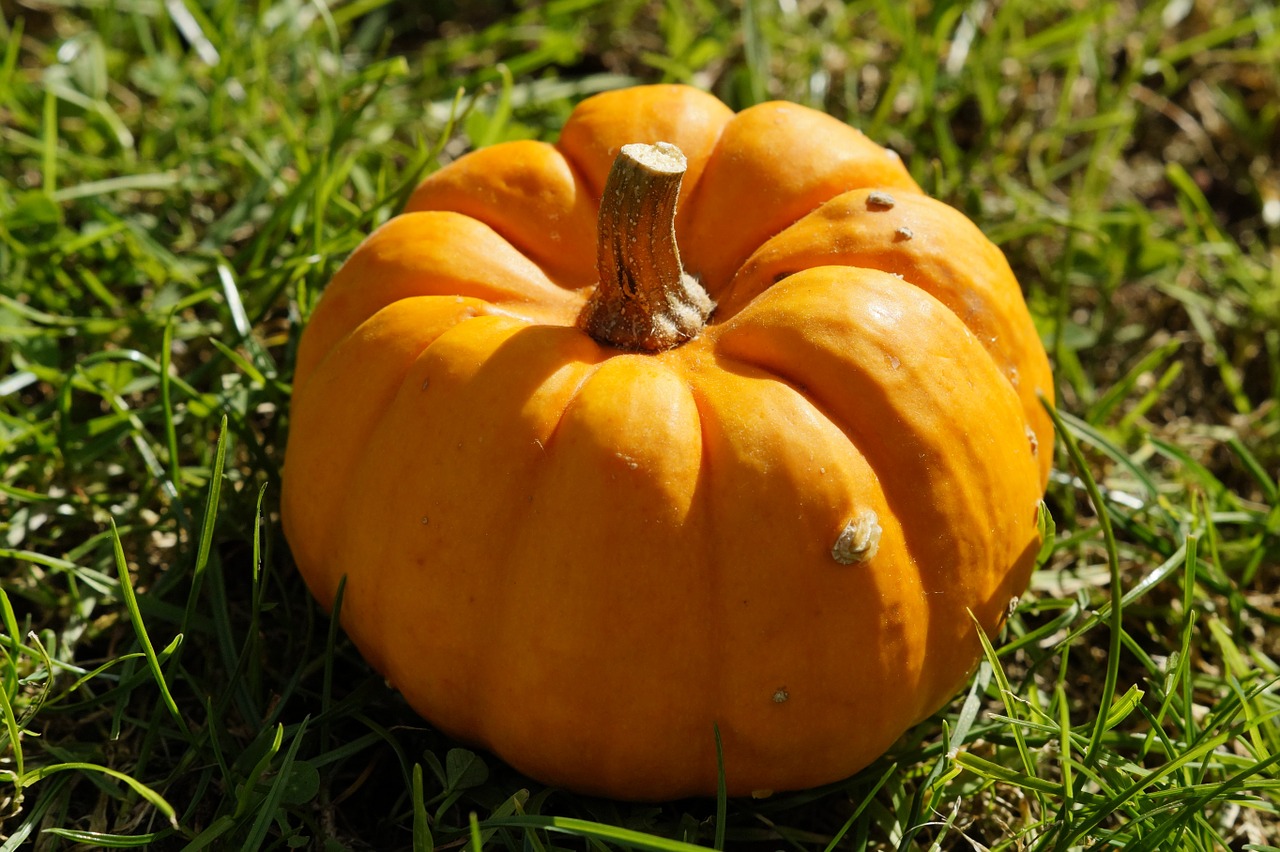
<point>709,559</point>
<point>580,176</point>
<point>600,125</point>
<point>773,530</point>
<point>803,392</point>
<point>421,489</point>
<point>427,253</point>
<point>481,308</point>
<point>572,398</point>
<point>531,195</point>
<point>372,445</point>
<point>855,436</point>
<point>907,285</point>
<point>1032,411</point>
<point>928,501</point>
<point>849,231</point>
<point>748,180</point>
<point>493,670</point>
<point>903,500</point>
<point>393,383</point>
<point>535,576</point>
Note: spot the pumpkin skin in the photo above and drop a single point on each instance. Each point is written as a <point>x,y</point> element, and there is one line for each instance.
<point>587,559</point>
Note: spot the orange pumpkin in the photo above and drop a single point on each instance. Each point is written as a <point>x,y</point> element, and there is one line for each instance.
<point>585,518</point>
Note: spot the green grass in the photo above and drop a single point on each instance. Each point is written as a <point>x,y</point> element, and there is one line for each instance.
<point>178,180</point>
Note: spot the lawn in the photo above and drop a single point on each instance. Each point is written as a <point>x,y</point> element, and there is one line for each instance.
<point>179,179</point>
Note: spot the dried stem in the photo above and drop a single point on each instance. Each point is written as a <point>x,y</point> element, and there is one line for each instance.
<point>645,301</point>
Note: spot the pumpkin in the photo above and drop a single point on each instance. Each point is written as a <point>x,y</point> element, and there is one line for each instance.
<point>691,421</point>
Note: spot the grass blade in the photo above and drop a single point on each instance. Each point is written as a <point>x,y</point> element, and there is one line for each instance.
<point>422,841</point>
<point>1116,622</point>
<point>862,806</point>
<point>151,796</point>
<point>144,639</point>
<point>106,841</point>
<point>212,499</point>
<point>589,830</point>
<point>267,809</point>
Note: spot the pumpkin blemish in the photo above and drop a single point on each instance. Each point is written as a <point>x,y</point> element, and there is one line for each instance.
<point>878,200</point>
<point>859,540</point>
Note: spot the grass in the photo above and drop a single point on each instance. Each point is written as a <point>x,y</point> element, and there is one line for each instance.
<point>178,181</point>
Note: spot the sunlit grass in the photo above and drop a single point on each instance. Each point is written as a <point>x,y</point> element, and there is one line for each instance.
<point>178,181</point>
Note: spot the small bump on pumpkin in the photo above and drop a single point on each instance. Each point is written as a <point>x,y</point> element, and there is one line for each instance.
<point>880,201</point>
<point>426,383</point>
<point>859,540</point>
<point>1013,606</point>
<point>903,234</point>
<point>1034,441</point>
<point>425,520</point>
<point>780,695</point>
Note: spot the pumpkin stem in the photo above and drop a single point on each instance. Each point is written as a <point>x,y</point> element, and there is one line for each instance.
<point>645,301</point>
